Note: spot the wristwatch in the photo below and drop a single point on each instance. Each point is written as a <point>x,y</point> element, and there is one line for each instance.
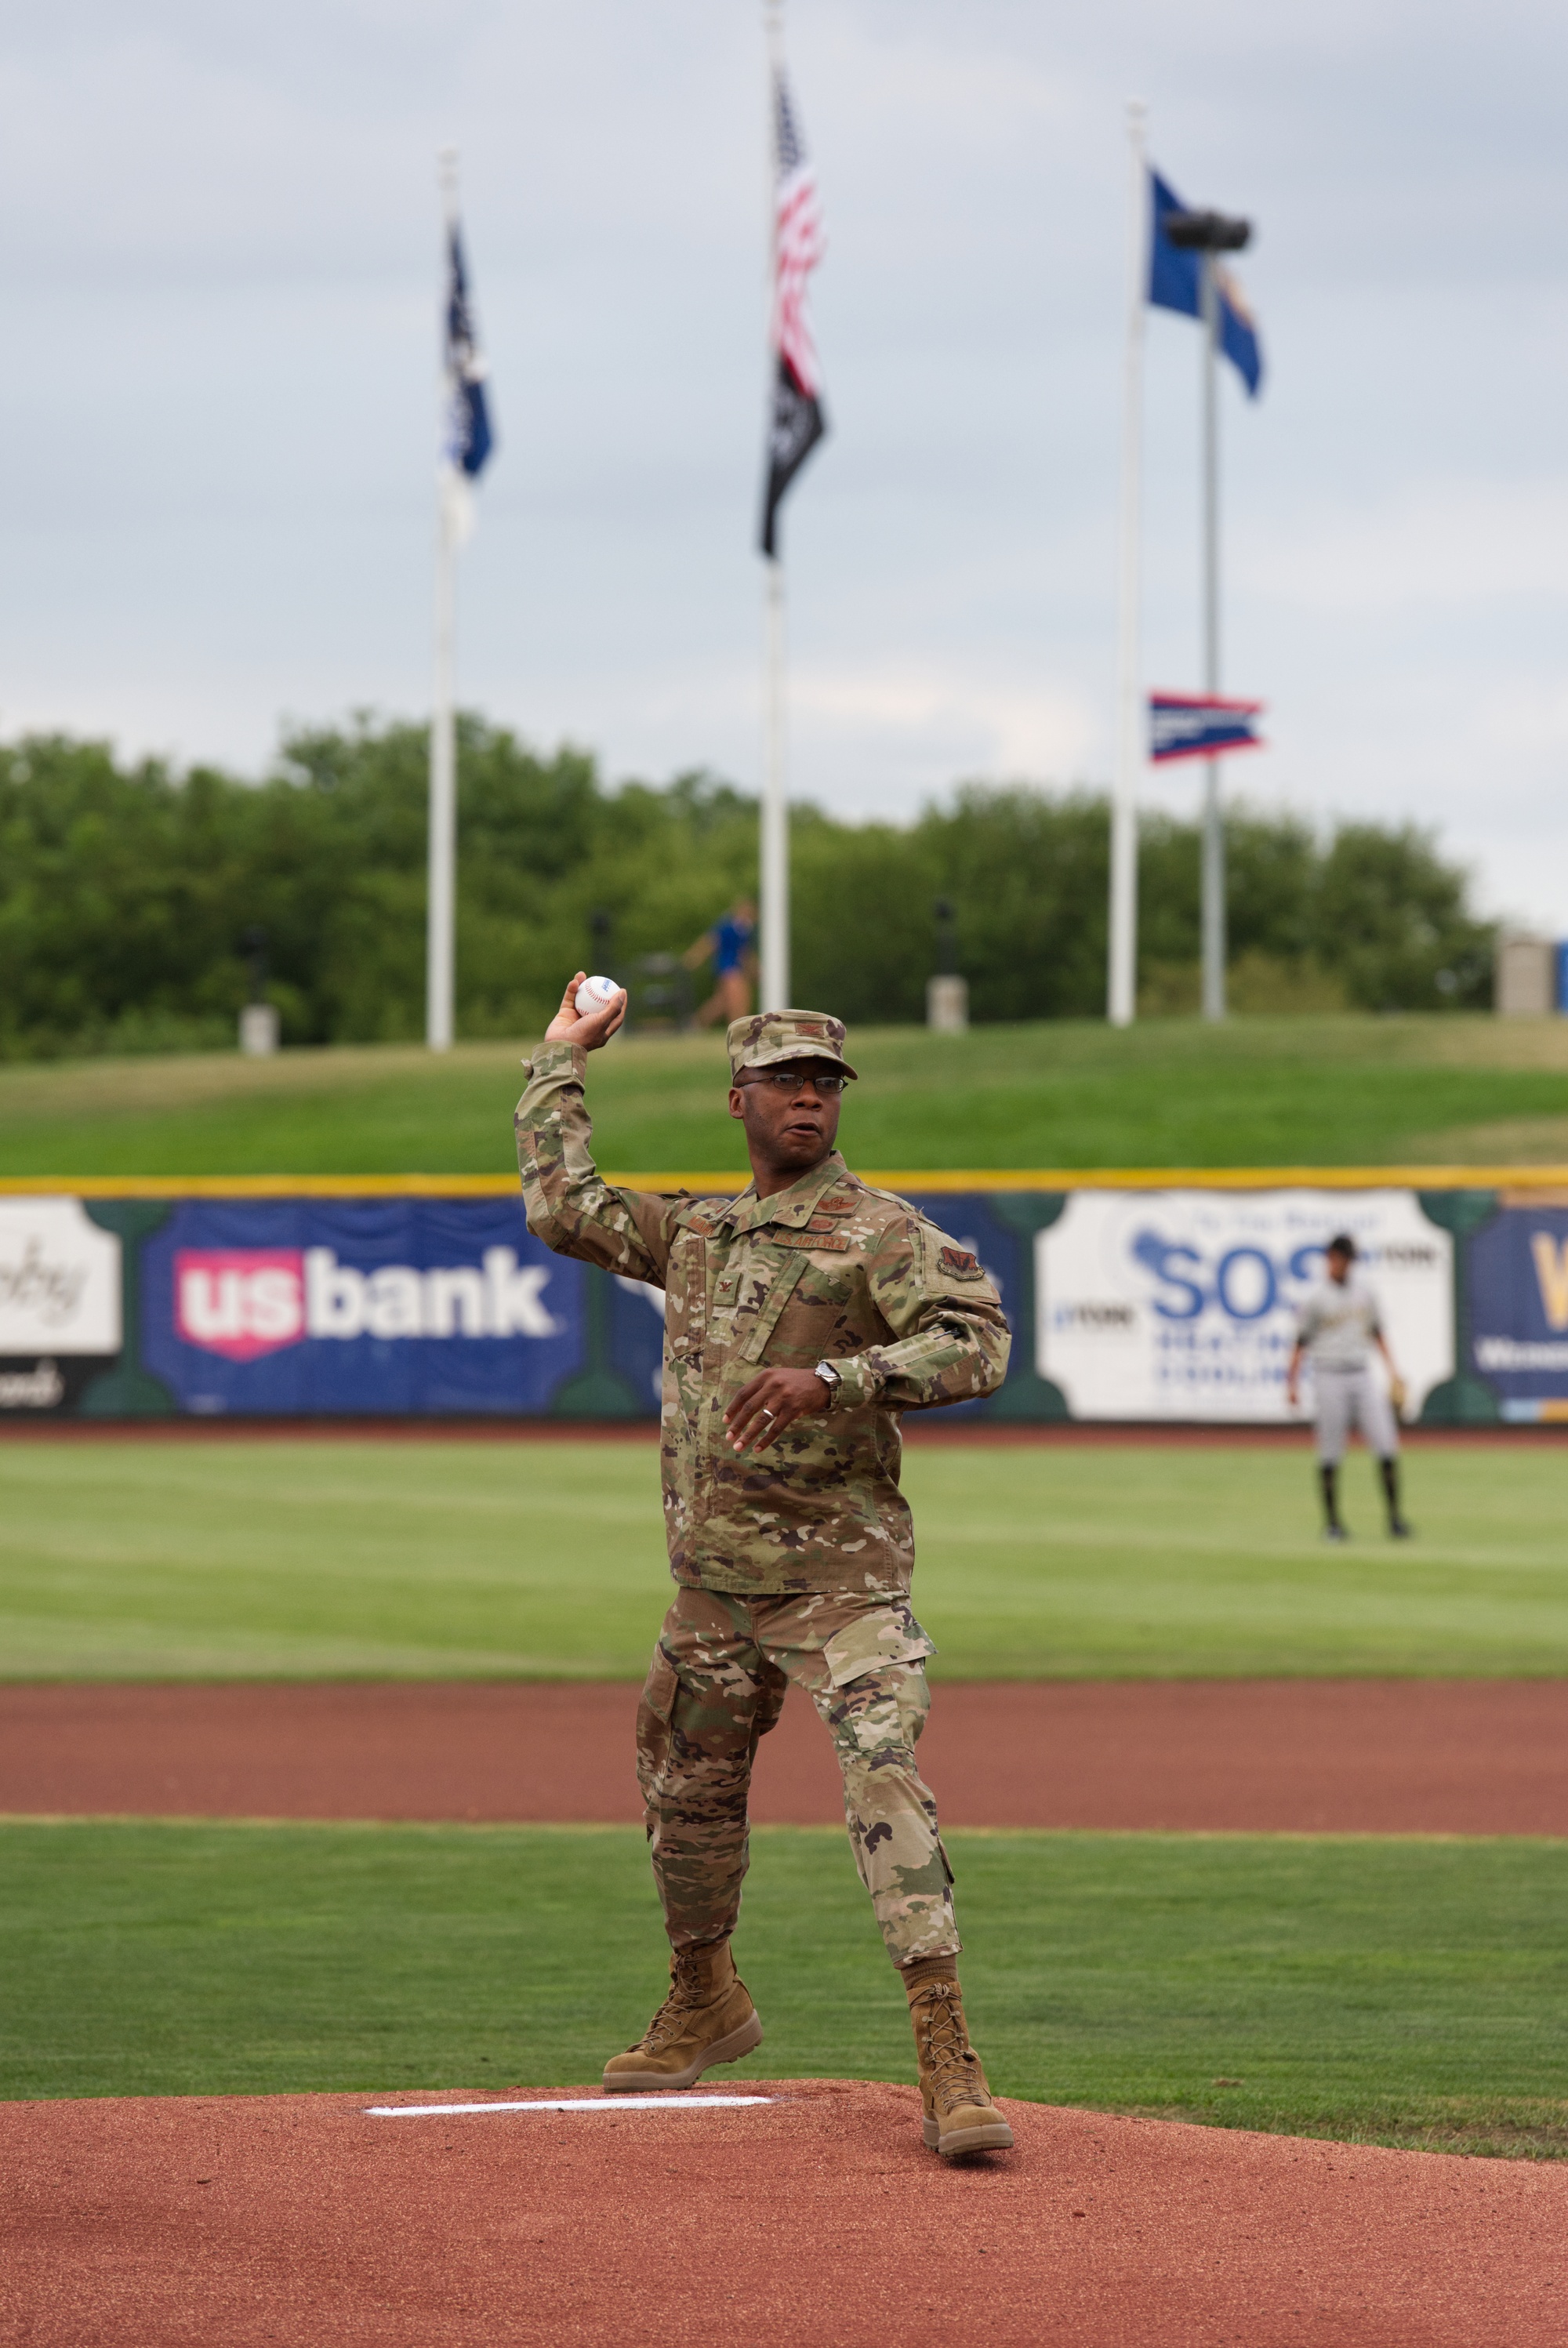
<point>831,1378</point>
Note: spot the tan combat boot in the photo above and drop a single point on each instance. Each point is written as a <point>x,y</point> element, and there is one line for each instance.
<point>707,2018</point>
<point>957,2113</point>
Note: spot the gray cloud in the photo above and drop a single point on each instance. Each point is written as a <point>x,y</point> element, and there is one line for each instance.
<point>216,392</point>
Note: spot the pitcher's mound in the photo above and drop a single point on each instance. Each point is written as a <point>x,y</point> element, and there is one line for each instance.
<point>817,2217</point>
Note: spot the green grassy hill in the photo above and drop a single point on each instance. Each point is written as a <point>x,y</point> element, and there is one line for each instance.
<point>1341,1090</point>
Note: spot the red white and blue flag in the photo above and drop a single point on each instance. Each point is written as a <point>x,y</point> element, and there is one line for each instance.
<point>796,422</point>
<point>1200,725</point>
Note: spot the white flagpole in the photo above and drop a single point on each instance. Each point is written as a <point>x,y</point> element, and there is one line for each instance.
<point>1213,896</point>
<point>440,922</point>
<point>1122,986</point>
<point>773,846</point>
<point>774,906</point>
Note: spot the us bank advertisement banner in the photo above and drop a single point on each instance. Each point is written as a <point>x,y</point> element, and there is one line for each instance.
<point>1182,1304</point>
<point>416,1306</point>
<point>1519,1310</point>
<point>396,1305</point>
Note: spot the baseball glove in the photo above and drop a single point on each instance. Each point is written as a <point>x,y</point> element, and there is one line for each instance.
<point>1398,1393</point>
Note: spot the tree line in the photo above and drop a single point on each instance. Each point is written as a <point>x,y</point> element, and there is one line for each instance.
<point>129,892</point>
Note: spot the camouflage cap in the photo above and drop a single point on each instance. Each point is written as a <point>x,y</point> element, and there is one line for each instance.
<point>769,1038</point>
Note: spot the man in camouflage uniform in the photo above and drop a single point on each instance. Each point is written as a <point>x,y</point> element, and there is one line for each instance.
<point>800,1319</point>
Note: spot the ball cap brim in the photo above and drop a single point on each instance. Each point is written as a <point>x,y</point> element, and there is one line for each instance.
<point>766,1039</point>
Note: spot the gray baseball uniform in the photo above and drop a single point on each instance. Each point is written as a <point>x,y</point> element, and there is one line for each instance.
<point>1337,1324</point>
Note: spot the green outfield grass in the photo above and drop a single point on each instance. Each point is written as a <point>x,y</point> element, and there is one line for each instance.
<point>1398,1990</point>
<point>546,1560</point>
<point>1306,1091</point>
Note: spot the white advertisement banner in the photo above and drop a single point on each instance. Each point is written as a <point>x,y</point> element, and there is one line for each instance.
<point>59,1280</point>
<point>1182,1304</point>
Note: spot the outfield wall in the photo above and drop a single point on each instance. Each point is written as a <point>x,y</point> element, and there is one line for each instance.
<point>1136,1296</point>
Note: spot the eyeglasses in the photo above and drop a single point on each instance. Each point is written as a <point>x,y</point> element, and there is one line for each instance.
<point>787,1080</point>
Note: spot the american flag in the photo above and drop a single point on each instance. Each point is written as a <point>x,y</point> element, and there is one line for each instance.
<point>798,243</point>
<point>796,422</point>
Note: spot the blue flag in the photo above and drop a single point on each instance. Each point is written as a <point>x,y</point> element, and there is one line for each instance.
<point>469,437</point>
<point>1173,284</point>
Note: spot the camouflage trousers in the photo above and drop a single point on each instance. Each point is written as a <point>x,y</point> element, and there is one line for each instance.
<point>718,1682</point>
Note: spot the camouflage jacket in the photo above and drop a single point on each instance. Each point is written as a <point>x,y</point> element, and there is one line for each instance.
<point>828,1268</point>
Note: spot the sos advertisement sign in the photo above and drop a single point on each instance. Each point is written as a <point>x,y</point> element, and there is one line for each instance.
<point>1182,1304</point>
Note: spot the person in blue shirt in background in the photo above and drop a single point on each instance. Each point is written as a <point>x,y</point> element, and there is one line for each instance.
<point>728,944</point>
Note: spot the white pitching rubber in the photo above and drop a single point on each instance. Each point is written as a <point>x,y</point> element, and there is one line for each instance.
<point>566,2104</point>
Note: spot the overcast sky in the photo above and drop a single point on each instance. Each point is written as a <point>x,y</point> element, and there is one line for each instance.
<point>221,268</point>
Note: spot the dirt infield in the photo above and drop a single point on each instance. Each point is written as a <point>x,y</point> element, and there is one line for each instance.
<point>298,2220</point>
<point>1377,1756</point>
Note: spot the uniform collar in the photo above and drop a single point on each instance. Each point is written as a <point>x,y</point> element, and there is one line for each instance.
<point>791,1206</point>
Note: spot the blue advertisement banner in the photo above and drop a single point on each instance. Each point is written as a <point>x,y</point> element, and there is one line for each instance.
<point>430,1307</point>
<point>379,1306</point>
<point>1519,1311</point>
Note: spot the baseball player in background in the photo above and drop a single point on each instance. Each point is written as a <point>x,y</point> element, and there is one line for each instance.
<point>801,1319</point>
<point>1339,1322</point>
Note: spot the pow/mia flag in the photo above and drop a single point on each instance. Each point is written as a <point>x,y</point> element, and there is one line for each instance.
<point>797,423</point>
<point>794,430</point>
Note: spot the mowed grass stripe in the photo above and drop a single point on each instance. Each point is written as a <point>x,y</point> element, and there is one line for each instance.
<point>1395,1991</point>
<point>547,1561</point>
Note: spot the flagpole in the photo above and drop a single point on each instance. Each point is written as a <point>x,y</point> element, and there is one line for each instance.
<point>1122,987</point>
<point>774,893</point>
<point>1213,891</point>
<point>440,919</point>
<point>773,846</point>
<point>440,924</point>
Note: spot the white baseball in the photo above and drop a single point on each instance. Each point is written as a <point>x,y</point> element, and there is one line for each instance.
<point>595,994</point>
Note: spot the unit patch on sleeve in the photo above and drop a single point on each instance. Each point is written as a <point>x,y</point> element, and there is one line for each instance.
<point>959,1264</point>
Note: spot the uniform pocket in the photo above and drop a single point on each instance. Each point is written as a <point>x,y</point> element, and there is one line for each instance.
<point>656,1711</point>
<point>884,1634</point>
<point>756,1316</point>
<point>661,1688</point>
<point>685,1297</point>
